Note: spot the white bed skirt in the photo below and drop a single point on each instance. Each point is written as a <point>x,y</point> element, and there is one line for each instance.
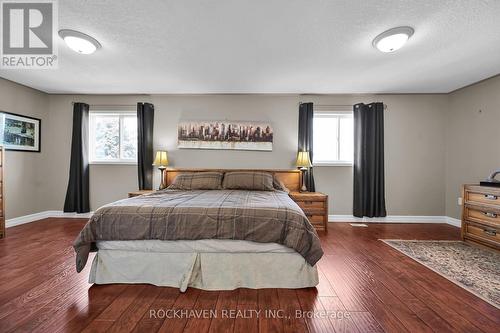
<point>205,264</point>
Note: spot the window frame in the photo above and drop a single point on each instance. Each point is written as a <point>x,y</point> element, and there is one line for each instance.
<point>121,114</point>
<point>338,115</point>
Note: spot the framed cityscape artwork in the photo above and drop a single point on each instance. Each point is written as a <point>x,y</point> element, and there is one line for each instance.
<point>237,135</point>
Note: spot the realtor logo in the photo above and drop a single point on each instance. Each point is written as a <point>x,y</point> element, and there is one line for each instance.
<point>28,30</point>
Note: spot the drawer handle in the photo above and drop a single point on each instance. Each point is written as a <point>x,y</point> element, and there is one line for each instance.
<point>490,197</point>
<point>490,232</point>
<point>308,202</point>
<point>493,215</point>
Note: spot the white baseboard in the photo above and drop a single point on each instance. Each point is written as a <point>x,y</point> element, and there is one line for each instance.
<point>395,219</point>
<point>43,215</point>
<point>453,221</point>
<point>331,218</point>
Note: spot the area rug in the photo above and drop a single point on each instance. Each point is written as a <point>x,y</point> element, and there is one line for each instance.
<point>473,268</point>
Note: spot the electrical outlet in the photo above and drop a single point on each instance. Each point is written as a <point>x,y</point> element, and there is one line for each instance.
<point>460,201</point>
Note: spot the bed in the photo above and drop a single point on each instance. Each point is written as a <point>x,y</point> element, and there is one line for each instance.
<point>212,239</point>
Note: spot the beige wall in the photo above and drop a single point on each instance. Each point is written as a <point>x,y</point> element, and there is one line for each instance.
<point>414,146</point>
<point>107,182</point>
<point>473,138</point>
<point>414,156</point>
<point>434,143</point>
<point>24,170</point>
<point>111,182</point>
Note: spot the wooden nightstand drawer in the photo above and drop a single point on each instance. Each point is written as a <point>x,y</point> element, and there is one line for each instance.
<point>315,207</point>
<point>314,211</point>
<point>311,204</point>
<point>315,219</point>
<point>318,222</point>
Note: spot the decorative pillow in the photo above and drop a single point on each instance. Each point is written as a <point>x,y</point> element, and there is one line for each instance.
<point>278,185</point>
<point>248,180</point>
<point>197,181</point>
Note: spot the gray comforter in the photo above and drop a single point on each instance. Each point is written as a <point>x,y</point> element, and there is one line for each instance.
<point>259,216</point>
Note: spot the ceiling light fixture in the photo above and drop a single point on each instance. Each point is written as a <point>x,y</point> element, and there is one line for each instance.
<point>79,42</point>
<point>393,39</point>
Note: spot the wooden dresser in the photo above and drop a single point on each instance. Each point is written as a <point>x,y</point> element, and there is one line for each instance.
<point>315,206</point>
<point>481,215</point>
<point>2,204</point>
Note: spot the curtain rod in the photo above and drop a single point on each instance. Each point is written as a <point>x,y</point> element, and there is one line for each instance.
<point>322,106</point>
<point>336,107</point>
<point>111,106</point>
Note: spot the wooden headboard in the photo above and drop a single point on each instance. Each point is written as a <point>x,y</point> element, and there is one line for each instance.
<point>291,178</point>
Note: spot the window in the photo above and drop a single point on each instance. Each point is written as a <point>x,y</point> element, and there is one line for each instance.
<point>113,137</point>
<point>333,138</point>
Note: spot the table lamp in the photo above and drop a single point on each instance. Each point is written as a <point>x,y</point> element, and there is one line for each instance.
<point>161,161</point>
<point>303,163</point>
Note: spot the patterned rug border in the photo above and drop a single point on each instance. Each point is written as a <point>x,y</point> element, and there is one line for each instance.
<point>435,271</point>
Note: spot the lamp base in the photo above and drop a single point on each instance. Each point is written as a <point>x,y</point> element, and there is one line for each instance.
<point>162,180</point>
<point>304,187</point>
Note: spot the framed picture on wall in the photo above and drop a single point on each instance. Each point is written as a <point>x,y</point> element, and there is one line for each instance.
<point>223,134</point>
<point>19,133</point>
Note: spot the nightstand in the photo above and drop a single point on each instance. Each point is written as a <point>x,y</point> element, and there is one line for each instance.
<point>139,192</point>
<point>315,206</point>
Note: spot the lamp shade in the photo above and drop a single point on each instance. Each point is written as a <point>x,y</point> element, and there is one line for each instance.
<point>303,160</point>
<point>161,159</point>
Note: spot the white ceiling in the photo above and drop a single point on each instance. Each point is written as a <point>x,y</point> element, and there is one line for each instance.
<point>272,46</point>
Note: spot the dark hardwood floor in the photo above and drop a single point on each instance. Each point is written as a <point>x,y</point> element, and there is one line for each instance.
<point>365,286</point>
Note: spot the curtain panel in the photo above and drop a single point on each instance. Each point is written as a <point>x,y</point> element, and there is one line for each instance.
<point>145,124</point>
<point>306,116</point>
<point>368,166</point>
<point>77,195</point>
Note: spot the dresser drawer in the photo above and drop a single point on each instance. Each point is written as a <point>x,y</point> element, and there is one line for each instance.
<point>485,214</point>
<point>490,199</point>
<point>474,230</point>
<point>311,204</point>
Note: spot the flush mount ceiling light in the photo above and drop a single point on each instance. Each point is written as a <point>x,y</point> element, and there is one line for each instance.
<point>393,39</point>
<point>79,42</point>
